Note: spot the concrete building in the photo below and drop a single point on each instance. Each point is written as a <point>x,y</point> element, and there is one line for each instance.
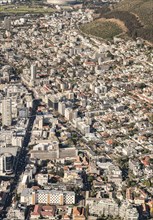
<point>68,153</point>
<point>69,114</point>
<point>61,108</point>
<point>6,164</point>
<point>84,128</point>
<point>53,102</point>
<point>15,214</point>
<point>7,23</point>
<point>46,151</point>
<point>128,212</point>
<point>102,206</point>
<point>42,179</point>
<point>23,113</point>
<point>33,71</point>
<point>17,141</point>
<point>55,197</point>
<point>6,112</point>
<point>132,214</point>
<point>7,160</point>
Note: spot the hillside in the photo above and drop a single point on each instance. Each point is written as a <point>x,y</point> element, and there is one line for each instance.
<point>135,14</point>
<point>103,28</point>
<point>142,8</point>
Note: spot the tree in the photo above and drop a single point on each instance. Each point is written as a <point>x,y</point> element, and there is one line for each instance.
<point>60,172</point>
<point>132,183</point>
<point>87,211</point>
<point>68,162</point>
<point>147,183</point>
<point>90,178</point>
<point>17,197</point>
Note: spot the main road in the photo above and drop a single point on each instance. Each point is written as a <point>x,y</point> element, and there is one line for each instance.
<point>21,162</point>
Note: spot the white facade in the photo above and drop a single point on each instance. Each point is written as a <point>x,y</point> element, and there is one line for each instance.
<point>6,164</point>
<point>56,197</point>
<point>102,206</point>
<point>33,72</point>
<point>69,198</point>
<point>6,112</point>
<point>29,196</point>
<point>128,212</point>
<point>42,179</point>
<point>61,108</point>
<point>42,196</point>
<point>68,113</point>
<point>17,141</point>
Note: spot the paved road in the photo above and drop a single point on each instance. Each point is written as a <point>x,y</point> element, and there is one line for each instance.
<point>21,163</point>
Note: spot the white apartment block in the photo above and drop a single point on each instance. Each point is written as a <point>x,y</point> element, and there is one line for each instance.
<point>31,197</point>
<point>6,112</point>
<point>102,206</point>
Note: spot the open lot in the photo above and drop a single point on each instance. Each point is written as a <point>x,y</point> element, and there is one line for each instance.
<point>23,9</point>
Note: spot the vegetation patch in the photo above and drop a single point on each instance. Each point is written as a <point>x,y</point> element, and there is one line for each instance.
<point>136,15</point>
<point>102,28</point>
<point>24,9</point>
<point>141,8</point>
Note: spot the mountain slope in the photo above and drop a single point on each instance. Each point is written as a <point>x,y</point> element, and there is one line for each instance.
<point>141,8</point>
<point>137,16</point>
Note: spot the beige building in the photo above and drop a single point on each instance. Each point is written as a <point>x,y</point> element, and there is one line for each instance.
<point>46,151</point>
<point>6,112</point>
<point>42,179</point>
<point>69,176</point>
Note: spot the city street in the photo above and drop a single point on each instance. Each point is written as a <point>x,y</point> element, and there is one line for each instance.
<point>20,166</point>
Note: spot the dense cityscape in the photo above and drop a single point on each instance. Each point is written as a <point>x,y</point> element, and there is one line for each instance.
<point>76,121</point>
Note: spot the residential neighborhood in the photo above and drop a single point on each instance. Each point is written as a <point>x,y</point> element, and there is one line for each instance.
<point>76,121</point>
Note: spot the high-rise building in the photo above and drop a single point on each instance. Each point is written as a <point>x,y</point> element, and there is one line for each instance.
<point>7,23</point>
<point>71,95</point>
<point>61,108</point>
<point>41,122</point>
<point>33,71</point>
<point>53,102</point>
<point>69,113</point>
<point>75,114</point>
<point>6,164</point>
<point>6,112</point>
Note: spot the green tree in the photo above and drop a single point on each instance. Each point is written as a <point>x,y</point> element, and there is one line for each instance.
<point>90,178</point>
